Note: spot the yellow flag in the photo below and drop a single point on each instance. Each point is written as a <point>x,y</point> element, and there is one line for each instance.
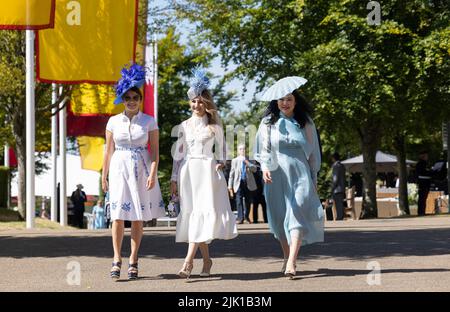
<point>27,14</point>
<point>94,100</point>
<point>91,41</point>
<point>90,100</point>
<point>91,152</point>
<point>97,99</point>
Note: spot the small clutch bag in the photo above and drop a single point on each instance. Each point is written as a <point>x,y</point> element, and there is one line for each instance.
<point>174,206</point>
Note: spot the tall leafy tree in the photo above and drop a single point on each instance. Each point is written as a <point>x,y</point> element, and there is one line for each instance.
<point>12,105</point>
<point>362,77</point>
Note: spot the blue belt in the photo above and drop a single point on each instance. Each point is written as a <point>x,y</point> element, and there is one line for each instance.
<point>136,153</point>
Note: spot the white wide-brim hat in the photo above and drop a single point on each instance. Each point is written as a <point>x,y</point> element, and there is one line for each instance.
<point>283,87</point>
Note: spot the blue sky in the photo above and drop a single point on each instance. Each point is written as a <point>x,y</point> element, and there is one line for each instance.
<point>240,104</point>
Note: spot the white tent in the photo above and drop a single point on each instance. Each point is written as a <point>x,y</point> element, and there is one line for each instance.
<point>384,163</point>
<point>75,175</point>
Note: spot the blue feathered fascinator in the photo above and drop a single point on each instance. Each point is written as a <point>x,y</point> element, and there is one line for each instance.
<point>131,77</point>
<point>198,83</point>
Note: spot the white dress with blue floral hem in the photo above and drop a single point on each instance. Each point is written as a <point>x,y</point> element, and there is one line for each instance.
<point>130,168</point>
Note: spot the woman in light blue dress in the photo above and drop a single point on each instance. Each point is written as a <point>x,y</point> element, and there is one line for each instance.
<point>99,215</point>
<point>288,149</point>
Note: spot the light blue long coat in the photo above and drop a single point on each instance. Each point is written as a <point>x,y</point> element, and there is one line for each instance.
<point>292,155</point>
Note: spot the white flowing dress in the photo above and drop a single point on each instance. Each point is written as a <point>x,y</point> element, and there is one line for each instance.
<point>205,211</point>
<point>130,168</point>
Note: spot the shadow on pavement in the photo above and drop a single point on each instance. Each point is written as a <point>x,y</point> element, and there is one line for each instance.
<point>354,272</point>
<point>345,244</point>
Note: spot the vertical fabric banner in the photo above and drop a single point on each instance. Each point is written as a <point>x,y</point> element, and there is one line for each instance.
<point>90,100</point>
<point>149,100</point>
<point>87,125</point>
<point>27,14</point>
<point>91,152</point>
<point>91,41</point>
<point>12,157</point>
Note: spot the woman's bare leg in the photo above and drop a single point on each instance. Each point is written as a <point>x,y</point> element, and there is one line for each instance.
<point>117,238</point>
<point>294,249</point>
<point>137,231</point>
<point>204,250</point>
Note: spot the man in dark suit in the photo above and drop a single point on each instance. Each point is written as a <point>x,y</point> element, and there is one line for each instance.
<point>338,185</point>
<point>78,199</point>
<point>226,172</point>
<point>439,174</point>
<point>424,181</point>
<point>258,194</point>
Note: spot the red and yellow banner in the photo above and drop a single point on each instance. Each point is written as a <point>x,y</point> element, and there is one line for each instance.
<point>27,14</point>
<point>93,125</point>
<point>91,41</point>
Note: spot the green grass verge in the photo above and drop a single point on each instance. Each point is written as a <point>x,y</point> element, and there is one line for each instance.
<point>39,223</point>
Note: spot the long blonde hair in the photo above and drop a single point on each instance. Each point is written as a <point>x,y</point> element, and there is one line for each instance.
<point>210,107</point>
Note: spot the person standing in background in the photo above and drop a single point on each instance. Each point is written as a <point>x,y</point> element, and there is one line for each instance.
<point>241,183</point>
<point>98,212</point>
<point>78,199</point>
<point>338,185</point>
<point>424,181</point>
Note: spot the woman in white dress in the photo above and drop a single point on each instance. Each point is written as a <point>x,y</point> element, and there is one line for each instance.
<point>197,177</point>
<point>133,187</point>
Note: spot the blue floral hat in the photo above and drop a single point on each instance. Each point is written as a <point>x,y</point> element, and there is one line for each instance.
<point>198,83</point>
<point>131,77</point>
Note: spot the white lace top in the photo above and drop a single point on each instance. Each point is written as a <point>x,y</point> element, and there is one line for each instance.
<point>197,139</point>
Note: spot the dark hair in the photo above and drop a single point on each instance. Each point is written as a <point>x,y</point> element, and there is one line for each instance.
<point>135,89</point>
<point>302,110</point>
<point>336,156</point>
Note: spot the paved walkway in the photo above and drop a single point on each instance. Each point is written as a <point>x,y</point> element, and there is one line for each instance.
<point>413,254</point>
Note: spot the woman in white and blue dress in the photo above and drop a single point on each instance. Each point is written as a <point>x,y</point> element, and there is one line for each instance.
<point>197,177</point>
<point>287,147</point>
<point>134,192</point>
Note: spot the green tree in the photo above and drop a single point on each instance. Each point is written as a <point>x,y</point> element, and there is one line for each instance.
<point>362,78</point>
<point>12,103</point>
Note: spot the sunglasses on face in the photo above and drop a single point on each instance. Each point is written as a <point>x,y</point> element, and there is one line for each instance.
<point>135,98</point>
